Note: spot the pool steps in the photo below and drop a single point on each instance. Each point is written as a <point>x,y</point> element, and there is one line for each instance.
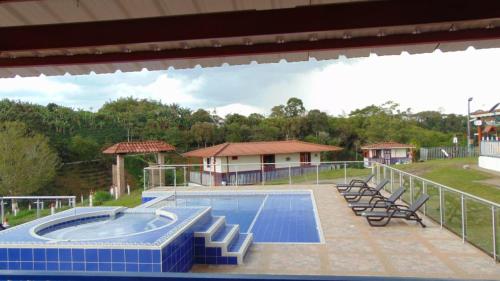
<point>226,238</point>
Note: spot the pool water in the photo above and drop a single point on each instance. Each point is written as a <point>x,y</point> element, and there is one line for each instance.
<point>278,218</point>
<point>120,225</point>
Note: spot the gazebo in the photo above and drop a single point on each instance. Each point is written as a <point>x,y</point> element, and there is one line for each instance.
<point>139,147</point>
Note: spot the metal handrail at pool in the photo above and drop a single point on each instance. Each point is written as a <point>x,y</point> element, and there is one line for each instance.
<point>449,201</point>
<point>288,172</point>
<point>38,202</point>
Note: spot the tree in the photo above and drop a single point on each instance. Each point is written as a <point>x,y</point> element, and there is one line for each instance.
<point>203,132</point>
<point>27,162</point>
<point>83,148</point>
<point>294,107</point>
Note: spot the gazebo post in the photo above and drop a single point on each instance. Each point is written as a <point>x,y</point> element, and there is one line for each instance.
<point>120,175</point>
<point>161,175</point>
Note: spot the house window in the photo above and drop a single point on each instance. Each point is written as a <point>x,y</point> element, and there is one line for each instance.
<point>305,158</point>
<point>208,162</point>
<point>288,159</point>
<point>234,158</point>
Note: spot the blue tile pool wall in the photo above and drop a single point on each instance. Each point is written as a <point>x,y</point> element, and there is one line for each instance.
<point>178,255</point>
<point>92,260</point>
<point>210,255</point>
<point>147,199</point>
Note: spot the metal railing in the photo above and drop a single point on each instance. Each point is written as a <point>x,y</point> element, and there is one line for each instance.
<point>38,201</point>
<point>442,152</point>
<point>490,148</point>
<point>291,173</point>
<point>474,219</point>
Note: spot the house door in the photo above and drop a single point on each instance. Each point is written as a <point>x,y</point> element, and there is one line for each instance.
<point>387,157</point>
<point>268,161</point>
<point>305,158</point>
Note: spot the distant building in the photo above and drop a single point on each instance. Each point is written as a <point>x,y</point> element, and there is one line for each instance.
<point>250,162</point>
<point>487,123</point>
<point>388,153</point>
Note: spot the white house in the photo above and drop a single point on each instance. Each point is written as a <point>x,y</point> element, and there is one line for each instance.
<point>252,161</point>
<point>388,153</point>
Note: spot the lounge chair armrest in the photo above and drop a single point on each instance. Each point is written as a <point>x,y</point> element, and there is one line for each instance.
<point>378,197</point>
<point>356,185</point>
<point>375,205</point>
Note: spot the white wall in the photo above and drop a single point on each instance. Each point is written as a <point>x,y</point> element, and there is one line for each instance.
<point>252,162</point>
<point>398,152</point>
<point>315,158</point>
<point>218,164</point>
<point>490,163</point>
<point>243,163</point>
<point>281,160</point>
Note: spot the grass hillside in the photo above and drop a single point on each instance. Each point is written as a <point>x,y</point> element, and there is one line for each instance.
<point>451,172</point>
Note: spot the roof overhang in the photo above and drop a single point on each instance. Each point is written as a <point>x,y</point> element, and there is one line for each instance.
<point>238,36</point>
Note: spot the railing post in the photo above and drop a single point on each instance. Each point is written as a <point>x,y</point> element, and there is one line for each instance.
<point>144,178</point>
<point>441,206</point>
<point>392,179</point>
<point>160,172</point>
<point>290,174</point>
<point>345,173</point>
<point>37,208</point>
<point>462,206</point>
<point>185,175</point>
<point>317,174</point>
<point>175,176</point>
<point>424,191</point>
<point>2,211</point>
<point>210,177</point>
<point>411,190</point>
<point>493,220</point>
<point>236,170</point>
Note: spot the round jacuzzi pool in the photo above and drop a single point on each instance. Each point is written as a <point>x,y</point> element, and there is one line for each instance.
<point>102,226</point>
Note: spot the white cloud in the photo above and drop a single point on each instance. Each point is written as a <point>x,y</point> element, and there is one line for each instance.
<point>165,89</point>
<point>422,82</point>
<point>239,108</point>
<point>42,85</point>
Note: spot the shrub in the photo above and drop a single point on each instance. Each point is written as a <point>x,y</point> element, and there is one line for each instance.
<point>101,196</point>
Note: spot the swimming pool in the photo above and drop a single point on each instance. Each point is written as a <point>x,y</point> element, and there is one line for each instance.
<point>272,217</point>
<point>103,226</point>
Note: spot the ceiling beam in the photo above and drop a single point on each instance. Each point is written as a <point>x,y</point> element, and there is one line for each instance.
<point>257,49</point>
<point>315,18</point>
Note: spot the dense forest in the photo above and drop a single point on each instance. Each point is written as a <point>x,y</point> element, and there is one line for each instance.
<point>80,135</point>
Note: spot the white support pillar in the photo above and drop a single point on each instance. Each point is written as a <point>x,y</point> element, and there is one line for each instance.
<point>161,174</point>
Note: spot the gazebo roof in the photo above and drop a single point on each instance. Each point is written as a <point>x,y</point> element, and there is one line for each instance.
<point>139,147</point>
<point>387,145</point>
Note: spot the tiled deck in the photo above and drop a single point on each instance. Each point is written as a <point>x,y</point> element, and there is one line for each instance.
<point>352,247</point>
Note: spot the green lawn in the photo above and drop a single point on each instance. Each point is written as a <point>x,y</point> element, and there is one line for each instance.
<point>327,176</point>
<point>451,172</point>
<point>132,200</point>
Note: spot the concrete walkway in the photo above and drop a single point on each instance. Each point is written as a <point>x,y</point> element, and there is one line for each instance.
<point>352,247</point>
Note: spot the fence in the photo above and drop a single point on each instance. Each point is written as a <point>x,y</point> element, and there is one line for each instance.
<point>253,174</point>
<point>490,148</point>
<point>430,153</point>
<point>474,219</point>
<point>38,201</point>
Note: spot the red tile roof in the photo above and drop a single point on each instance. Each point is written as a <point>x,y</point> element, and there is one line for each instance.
<point>139,147</point>
<point>386,145</point>
<point>260,148</point>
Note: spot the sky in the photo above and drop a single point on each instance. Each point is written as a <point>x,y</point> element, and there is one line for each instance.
<point>436,81</point>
